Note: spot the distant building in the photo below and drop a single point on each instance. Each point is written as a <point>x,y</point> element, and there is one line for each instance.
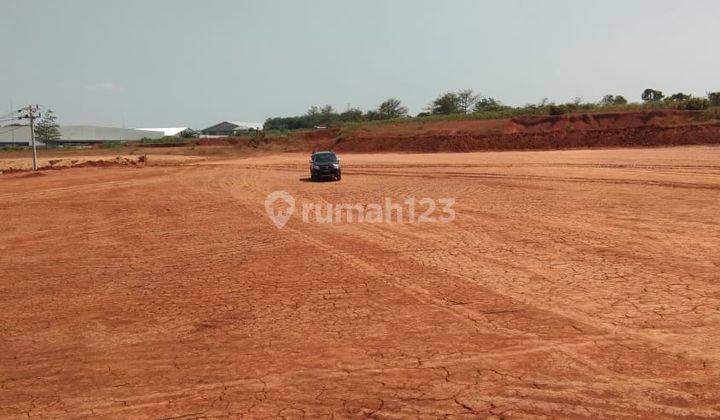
<point>77,134</point>
<point>230,128</point>
<point>14,135</point>
<point>169,131</point>
<point>94,134</point>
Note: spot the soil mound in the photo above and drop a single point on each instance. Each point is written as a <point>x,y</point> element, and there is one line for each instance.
<point>59,164</point>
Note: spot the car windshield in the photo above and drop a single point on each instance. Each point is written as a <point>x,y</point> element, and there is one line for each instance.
<point>324,157</point>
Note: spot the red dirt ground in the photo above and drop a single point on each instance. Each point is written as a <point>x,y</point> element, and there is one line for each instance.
<point>571,284</point>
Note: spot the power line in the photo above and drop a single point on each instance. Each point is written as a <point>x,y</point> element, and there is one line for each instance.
<point>30,114</point>
<point>12,128</point>
<point>10,119</point>
<point>8,114</point>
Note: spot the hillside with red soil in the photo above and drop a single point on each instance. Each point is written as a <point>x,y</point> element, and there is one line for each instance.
<point>611,129</point>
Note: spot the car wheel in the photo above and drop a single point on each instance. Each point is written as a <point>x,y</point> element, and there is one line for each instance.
<point>338,177</point>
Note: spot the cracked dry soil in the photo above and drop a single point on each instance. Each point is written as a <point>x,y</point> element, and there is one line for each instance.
<point>571,284</point>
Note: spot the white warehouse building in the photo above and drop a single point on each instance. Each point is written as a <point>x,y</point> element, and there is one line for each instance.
<point>169,131</point>
<point>19,135</point>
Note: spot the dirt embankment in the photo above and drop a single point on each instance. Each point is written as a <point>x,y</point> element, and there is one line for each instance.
<point>24,163</point>
<point>305,141</point>
<point>612,129</point>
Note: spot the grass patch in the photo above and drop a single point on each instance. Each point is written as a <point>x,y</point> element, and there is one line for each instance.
<point>112,145</point>
<point>13,148</point>
<point>166,139</point>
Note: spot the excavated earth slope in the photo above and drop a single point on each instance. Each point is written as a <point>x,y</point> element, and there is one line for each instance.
<point>612,129</point>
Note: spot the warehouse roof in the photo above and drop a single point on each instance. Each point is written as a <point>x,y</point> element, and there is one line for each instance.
<point>78,134</point>
<point>247,125</point>
<point>167,131</point>
<point>234,126</point>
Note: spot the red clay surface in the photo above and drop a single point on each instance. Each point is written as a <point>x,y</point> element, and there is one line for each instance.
<point>571,284</point>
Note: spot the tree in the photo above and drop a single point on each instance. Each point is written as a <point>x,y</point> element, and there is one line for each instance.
<point>447,103</point>
<point>678,97</point>
<point>328,115</point>
<point>189,134</point>
<point>372,115</point>
<point>47,130</point>
<point>613,100</point>
<point>313,111</point>
<point>351,115</point>
<point>714,98</point>
<point>652,95</point>
<point>467,100</point>
<point>317,116</point>
<point>554,109</point>
<point>488,104</point>
<point>391,108</point>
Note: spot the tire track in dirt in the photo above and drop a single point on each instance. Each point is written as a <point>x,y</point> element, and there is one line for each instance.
<point>173,295</point>
<point>360,260</point>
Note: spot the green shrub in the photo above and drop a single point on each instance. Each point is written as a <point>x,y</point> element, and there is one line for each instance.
<point>557,109</point>
<point>694,104</point>
<point>13,148</point>
<point>166,139</point>
<point>714,98</point>
<point>111,144</point>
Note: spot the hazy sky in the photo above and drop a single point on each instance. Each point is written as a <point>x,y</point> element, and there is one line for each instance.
<point>193,63</point>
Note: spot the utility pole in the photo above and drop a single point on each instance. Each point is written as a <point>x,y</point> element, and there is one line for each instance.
<point>32,136</point>
<point>31,110</point>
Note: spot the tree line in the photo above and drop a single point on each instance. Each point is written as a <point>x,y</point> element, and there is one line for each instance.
<point>326,116</point>
<point>467,101</point>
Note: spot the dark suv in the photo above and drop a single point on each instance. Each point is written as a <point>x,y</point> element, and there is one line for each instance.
<point>324,165</point>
